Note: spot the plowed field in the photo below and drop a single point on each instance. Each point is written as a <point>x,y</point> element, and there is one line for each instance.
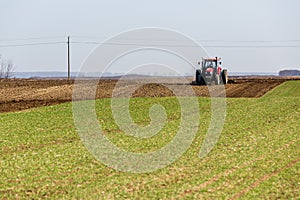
<point>19,94</point>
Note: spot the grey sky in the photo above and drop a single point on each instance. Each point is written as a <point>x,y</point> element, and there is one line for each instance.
<point>223,23</point>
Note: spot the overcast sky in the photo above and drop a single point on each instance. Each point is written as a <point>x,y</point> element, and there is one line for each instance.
<point>272,26</point>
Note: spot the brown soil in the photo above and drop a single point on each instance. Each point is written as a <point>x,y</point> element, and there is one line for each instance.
<point>20,94</point>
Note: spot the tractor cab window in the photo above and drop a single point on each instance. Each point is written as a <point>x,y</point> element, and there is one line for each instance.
<point>209,64</point>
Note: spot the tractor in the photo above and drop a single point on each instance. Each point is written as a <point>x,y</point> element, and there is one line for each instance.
<point>211,72</point>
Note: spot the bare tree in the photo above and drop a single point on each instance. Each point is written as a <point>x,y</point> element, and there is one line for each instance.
<point>2,69</point>
<point>9,70</point>
<point>6,69</point>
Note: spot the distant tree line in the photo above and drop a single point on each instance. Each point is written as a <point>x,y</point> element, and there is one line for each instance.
<point>289,73</point>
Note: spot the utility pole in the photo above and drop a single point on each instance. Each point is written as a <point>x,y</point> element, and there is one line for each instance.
<point>68,57</point>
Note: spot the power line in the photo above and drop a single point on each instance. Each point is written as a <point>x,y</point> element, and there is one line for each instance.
<point>249,46</point>
<point>31,38</point>
<point>32,44</point>
<point>158,44</point>
<point>149,39</point>
<point>89,37</point>
<point>200,40</point>
<point>176,45</point>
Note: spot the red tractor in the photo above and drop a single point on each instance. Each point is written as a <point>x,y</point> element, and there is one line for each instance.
<point>211,72</point>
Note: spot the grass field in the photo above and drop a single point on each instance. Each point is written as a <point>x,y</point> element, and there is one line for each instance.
<point>257,155</point>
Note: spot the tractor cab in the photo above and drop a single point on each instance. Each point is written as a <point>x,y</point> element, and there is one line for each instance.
<point>211,64</point>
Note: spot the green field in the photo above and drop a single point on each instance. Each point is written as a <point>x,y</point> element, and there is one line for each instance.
<point>257,155</point>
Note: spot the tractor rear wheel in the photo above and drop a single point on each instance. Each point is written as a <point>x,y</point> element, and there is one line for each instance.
<point>199,78</point>
<point>224,75</point>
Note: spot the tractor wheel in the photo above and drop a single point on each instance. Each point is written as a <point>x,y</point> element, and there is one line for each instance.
<point>224,75</point>
<point>199,78</point>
